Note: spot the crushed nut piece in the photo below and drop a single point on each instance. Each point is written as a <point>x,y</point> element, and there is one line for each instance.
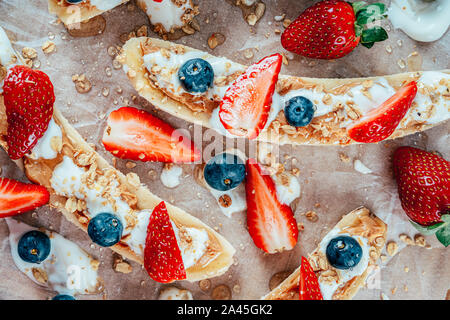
<point>225,201</point>
<point>48,47</point>
<point>119,265</point>
<point>142,31</point>
<point>392,248</point>
<point>82,84</point>
<point>420,240</point>
<point>216,39</point>
<point>311,216</point>
<point>406,239</point>
<point>40,275</point>
<point>29,53</point>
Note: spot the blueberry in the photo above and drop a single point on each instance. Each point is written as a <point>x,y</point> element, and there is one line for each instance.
<point>299,111</point>
<point>105,229</point>
<point>63,297</point>
<point>224,172</point>
<point>34,246</point>
<point>196,75</point>
<point>74,1</point>
<point>344,252</point>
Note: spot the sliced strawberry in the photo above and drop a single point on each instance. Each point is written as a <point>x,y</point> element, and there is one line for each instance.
<point>29,98</point>
<point>162,256</point>
<point>380,123</point>
<point>137,135</point>
<point>245,108</point>
<point>309,288</point>
<point>17,197</point>
<point>271,224</point>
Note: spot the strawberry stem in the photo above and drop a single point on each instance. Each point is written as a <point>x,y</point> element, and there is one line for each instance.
<point>443,234</point>
<point>366,15</point>
<point>440,229</point>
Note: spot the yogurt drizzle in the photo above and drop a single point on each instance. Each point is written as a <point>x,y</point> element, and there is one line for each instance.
<point>69,268</point>
<point>420,20</point>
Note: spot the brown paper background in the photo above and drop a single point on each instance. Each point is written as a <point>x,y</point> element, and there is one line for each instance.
<point>336,185</point>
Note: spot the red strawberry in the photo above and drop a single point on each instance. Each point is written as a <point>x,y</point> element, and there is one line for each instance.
<point>380,123</point>
<point>423,181</point>
<point>271,224</point>
<point>17,197</point>
<point>162,256</point>
<point>309,288</point>
<point>29,99</point>
<point>137,135</point>
<point>331,29</point>
<point>245,108</point>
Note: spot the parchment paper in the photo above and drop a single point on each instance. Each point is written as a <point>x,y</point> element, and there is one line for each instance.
<point>325,179</point>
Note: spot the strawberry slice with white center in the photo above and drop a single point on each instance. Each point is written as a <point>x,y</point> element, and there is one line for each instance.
<point>29,99</point>
<point>309,288</point>
<point>17,197</point>
<point>137,135</point>
<point>162,256</point>
<point>380,123</point>
<point>271,224</point>
<point>245,107</point>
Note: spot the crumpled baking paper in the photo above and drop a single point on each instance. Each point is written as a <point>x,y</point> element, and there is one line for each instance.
<point>330,187</point>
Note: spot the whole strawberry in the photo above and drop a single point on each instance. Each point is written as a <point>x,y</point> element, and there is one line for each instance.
<point>29,98</point>
<point>423,181</point>
<point>331,29</point>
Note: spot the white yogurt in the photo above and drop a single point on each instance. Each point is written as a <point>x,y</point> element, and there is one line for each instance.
<point>361,167</point>
<point>420,20</point>
<point>287,193</point>
<point>43,148</point>
<point>170,176</point>
<point>138,235</point>
<point>197,246</point>
<point>6,51</point>
<point>166,13</point>
<point>69,268</point>
<point>66,181</point>
<point>440,107</point>
<point>105,5</point>
<point>237,198</point>
<point>328,289</point>
<point>173,293</point>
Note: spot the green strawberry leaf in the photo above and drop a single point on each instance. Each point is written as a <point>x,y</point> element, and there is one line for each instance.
<point>375,34</point>
<point>358,30</point>
<point>428,230</point>
<point>368,45</point>
<point>371,13</point>
<point>443,234</point>
<point>357,6</point>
